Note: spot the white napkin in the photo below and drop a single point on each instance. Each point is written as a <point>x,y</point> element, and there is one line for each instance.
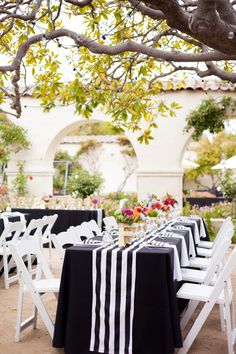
<point>192,251</point>
<point>93,242</point>
<point>99,218</point>
<point>177,270</point>
<point>196,231</point>
<point>202,228</point>
<point>184,261</point>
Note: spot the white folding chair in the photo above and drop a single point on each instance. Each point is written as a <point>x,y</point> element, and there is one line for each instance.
<point>12,230</point>
<point>94,227</point>
<point>48,222</point>
<point>210,295</point>
<point>82,231</point>
<point>208,252</point>
<point>63,239</point>
<point>36,287</point>
<point>34,228</point>
<point>207,276</point>
<point>110,222</point>
<point>211,244</point>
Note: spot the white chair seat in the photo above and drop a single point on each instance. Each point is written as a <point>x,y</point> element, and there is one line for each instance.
<point>46,285</point>
<point>204,252</point>
<point>196,276</point>
<point>199,292</point>
<point>193,275</point>
<point>199,262</point>
<point>206,244</point>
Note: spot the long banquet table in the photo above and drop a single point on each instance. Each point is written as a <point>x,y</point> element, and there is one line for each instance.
<point>155,324</point>
<point>66,218</point>
<point>156,321</point>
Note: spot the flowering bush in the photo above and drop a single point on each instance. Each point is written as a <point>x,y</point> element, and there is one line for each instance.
<point>3,198</point>
<point>219,210</point>
<point>3,190</point>
<point>83,184</point>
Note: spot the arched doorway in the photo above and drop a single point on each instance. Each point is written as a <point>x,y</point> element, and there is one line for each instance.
<point>159,163</point>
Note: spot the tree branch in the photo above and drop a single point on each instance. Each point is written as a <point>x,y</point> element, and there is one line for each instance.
<point>213,69</point>
<point>130,46</point>
<point>226,11</point>
<point>145,10</point>
<point>97,48</point>
<point>204,21</point>
<point>79,3</point>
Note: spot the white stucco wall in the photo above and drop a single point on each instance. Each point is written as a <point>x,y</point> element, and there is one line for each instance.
<point>108,160</point>
<point>159,163</point>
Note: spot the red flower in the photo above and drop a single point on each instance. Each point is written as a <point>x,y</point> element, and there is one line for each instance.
<point>31,177</point>
<point>157,205</point>
<point>138,209</point>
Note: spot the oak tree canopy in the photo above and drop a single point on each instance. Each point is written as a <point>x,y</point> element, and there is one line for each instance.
<point>112,53</point>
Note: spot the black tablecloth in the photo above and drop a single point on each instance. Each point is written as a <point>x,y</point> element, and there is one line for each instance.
<point>66,218</point>
<point>11,219</point>
<point>156,327</point>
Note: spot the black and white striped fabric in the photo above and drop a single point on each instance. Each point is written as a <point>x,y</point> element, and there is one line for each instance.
<point>192,251</point>
<point>202,227</point>
<point>114,274</point>
<point>188,220</point>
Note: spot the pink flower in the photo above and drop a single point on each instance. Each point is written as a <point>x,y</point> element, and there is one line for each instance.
<point>127,211</point>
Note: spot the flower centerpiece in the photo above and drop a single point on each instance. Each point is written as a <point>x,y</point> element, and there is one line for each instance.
<point>168,203</point>
<point>128,220</point>
<point>4,199</point>
<point>94,202</point>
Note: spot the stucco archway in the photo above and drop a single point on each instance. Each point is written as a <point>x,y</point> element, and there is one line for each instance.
<point>159,163</point>
<point>45,132</point>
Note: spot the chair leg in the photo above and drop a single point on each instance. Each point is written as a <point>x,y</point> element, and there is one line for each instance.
<point>229,327</point>
<point>5,270</point>
<point>233,320</point>
<point>35,315</point>
<point>43,313</point>
<point>19,312</point>
<point>222,317</point>
<point>192,305</point>
<point>196,327</point>
<point>29,263</point>
<point>50,251</point>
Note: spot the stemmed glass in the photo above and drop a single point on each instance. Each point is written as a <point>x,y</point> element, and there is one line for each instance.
<point>107,237</point>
